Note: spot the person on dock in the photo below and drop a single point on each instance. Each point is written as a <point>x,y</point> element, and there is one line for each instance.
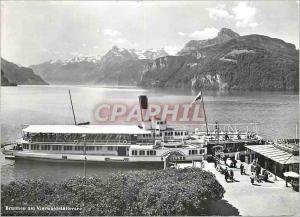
<point>242,168</point>
<point>226,136</point>
<point>215,162</point>
<point>226,174</point>
<point>266,176</point>
<point>231,175</point>
<point>234,163</point>
<point>252,178</point>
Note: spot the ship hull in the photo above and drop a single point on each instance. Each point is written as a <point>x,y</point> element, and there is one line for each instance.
<point>153,161</point>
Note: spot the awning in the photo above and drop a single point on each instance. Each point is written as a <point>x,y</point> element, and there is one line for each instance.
<point>291,174</point>
<point>274,154</point>
<point>86,129</point>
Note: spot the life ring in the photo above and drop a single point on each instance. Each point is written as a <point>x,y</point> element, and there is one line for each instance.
<point>124,141</point>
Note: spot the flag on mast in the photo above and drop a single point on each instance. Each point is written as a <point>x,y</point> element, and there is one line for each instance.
<point>143,102</point>
<point>198,97</point>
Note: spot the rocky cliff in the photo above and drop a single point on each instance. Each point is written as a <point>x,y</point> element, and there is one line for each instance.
<point>228,61</point>
<point>5,81</point>
<point>12,74</point>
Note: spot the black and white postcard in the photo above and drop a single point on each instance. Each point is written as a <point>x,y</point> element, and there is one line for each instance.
<point>149,108</point>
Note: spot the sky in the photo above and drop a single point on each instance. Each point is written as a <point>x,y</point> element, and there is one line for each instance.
<point>33,32</point>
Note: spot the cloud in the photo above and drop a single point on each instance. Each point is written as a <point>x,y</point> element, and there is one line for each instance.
<point>242,14</point>
<point>181,33</point>
<point>206,33</point>
<point>96,47</point>
<point>118,40</point>
<point>172,49</point>
<point>45,49</point>
<point>219,12</point>
<point>112,33</point>
<point>76,54</point>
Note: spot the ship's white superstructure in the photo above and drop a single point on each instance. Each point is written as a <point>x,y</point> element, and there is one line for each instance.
<point>153,141</point>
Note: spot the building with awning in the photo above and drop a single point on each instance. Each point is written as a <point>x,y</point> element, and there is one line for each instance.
<point>274,158</point>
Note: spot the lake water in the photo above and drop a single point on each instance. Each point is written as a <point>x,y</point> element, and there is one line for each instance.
<point>276,112</point>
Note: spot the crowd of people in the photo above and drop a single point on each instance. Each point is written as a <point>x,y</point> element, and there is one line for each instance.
<point>257,174</point>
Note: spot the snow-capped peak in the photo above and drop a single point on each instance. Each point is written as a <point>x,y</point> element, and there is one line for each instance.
<point>55,61</point>
<point>149,53</point>
<point>81,58</point>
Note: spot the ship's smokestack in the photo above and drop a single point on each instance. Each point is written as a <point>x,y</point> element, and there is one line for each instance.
<point>143,105</point>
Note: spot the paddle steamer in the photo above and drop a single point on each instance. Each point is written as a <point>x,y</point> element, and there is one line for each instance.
<point>153,141</point>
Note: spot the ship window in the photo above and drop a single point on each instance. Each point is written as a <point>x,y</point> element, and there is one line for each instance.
<point>45,147</point>
<point>151,152</point>
<point>181,133</point>
<point>90,148</point>
<point>67,148</point>
<point>99,148</point>
<point>35,147</point>
<point>110,148</point>
<point>134,152</point>
<point>79,148</point>
<point>192,152</point>
<point>142,152</point>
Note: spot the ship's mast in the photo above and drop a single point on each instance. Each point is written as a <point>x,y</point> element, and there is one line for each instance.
<point>72,108</point>
<point>204,114</point>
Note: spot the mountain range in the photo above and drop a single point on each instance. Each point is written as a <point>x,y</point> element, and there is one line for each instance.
<point>228,61</point>
<point>117,66</point>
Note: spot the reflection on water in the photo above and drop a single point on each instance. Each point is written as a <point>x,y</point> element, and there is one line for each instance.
<point>276,113</point>
<point>20,169</point>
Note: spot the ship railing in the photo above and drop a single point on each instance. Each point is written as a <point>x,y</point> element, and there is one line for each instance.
<point>93,143</point>
<point>241,127</point>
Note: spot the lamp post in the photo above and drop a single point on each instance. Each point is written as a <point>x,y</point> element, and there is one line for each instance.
<point>218,133</point>
<point>84,165</point>
<point>84,153</point>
